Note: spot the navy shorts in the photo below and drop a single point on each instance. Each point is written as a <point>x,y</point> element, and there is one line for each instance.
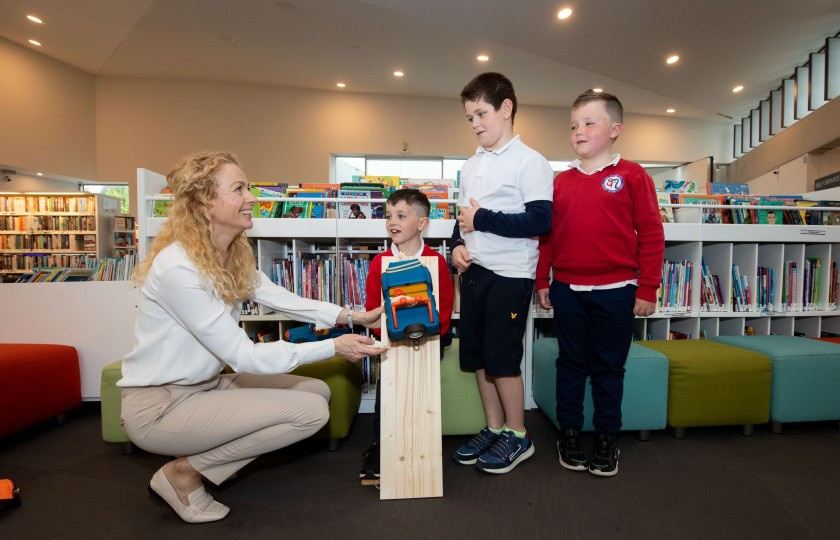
<point>494,311</point>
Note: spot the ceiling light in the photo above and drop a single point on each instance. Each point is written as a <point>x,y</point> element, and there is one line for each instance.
<point>36,43</point>
<point>670,111</point>
<point>340,85</point>
<point>398,74</point>
<point>34,19</point>
<point>598,90</point>
<point>564,13</point>
<point>673,59</point>
<point>738,88</point>
<point>482,58</point>
<point>40,174</point>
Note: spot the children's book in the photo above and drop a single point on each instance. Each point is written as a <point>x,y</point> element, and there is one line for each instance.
<point>808,217</point>
<point>433,190</point>
<point>829,217</point>
<point>666,213</point>
<point>266,209</point>
<point>745,215</point>
<point>354,210</point>
<point>710,215</point>
<point>722,188</point>
<point>768,216</point>
<point>356,190</point>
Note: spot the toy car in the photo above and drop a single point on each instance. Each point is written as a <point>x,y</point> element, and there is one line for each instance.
<point>409,303</point>
<point>307,333</point>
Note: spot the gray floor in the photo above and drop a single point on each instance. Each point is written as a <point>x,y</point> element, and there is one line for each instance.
<point>715,483</point>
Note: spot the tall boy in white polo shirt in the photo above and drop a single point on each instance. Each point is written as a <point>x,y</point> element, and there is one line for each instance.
<point>505,205</point>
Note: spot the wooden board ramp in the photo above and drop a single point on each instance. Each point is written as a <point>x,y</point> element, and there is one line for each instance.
<point>411,463</point>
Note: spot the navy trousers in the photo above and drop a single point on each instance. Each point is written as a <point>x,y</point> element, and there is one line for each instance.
<point>594,332</point>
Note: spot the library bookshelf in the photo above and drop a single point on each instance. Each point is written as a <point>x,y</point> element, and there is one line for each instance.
<point>125,235</point>
<point>720,246</point>
<point>54,229</point>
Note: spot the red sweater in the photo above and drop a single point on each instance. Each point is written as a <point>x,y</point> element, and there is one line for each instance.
<point>446,294</point>
<point>605,229</point>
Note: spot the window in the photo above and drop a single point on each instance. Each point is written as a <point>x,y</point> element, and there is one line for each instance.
<point>416,168</point>
<point>115,190</point>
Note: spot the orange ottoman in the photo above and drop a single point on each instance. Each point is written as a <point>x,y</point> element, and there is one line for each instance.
<point>37,382</point>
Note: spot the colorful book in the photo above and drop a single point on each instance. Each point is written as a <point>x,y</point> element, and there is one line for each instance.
<point>767,216</point>
<point>710,215</point>
<point>666,213</point>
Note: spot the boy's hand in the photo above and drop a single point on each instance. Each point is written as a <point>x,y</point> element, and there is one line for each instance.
<point>369,319</point>
<point>466,215</point>
<point>643,308</point>
<point>461,259</point>
<point>542,296</point>
<point>356,347</point>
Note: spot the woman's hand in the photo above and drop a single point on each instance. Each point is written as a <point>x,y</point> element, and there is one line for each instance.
<point>355,347</point>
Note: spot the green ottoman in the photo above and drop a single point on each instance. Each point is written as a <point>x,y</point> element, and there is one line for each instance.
<point>712,384</point>
<point>806,377</point>
<point>461,410</point>
<point>644,404</point>
<point>342,376</point>
<point>111,396</point>
<point>345,381</point>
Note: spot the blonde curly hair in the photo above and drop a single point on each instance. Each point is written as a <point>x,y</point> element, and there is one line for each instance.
<point>232,273</point>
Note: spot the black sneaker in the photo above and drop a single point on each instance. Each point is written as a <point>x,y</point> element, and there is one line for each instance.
<point>571,451</point>
<point>370,462</point>
<point>470,451</point>
<point>604,460</point>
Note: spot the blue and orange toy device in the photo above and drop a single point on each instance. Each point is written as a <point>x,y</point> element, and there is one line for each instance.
<point>410,309</point>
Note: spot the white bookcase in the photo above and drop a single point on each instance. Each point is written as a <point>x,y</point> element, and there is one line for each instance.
<point>719,245</point>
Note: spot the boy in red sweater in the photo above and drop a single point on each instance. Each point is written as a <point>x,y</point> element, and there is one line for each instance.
<point>406,217</point>
<point>605,252</point>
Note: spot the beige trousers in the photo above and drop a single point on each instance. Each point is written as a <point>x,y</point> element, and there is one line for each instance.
<point>223,424</point>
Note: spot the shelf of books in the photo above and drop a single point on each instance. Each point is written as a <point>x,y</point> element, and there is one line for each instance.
<point>44,233</point>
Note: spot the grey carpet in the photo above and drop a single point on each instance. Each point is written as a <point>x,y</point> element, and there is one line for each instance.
<point>715,483</point>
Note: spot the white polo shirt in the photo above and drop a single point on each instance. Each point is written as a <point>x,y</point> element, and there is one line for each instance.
<point>504,180</point>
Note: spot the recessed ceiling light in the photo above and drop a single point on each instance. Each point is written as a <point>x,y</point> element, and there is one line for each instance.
<point>34,19</point>
<point>564,13</point>
<point>482,58</point>
<point>340,85</point>
<point>398,74</point>
<point>738,88</point>
<point>36,43</point>
<point>598,90</point>
<point>673,59</point>
<point>670,111</point>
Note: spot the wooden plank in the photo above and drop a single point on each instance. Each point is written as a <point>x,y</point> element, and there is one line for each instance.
<point>411,464</point>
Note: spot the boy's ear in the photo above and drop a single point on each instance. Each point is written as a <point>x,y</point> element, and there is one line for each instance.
<point>507,108</point>
<point>424,222</point>
<point>615,130</point>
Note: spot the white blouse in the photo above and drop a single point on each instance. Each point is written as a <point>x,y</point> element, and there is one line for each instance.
<point>185,333</point>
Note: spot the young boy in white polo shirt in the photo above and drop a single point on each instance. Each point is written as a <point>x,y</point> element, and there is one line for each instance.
<point>505,205</point>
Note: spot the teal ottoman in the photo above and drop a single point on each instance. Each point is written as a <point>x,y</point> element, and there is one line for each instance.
<point>461,410</point>
<point>644,406</point>
<point>713,384</point>
<point>806,377</point>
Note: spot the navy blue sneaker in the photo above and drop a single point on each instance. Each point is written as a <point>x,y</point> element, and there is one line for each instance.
<point>508,452</point>
<point>604,460</point>
<point>470,451</point>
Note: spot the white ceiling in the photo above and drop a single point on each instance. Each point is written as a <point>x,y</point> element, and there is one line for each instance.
<point>619,45</point>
